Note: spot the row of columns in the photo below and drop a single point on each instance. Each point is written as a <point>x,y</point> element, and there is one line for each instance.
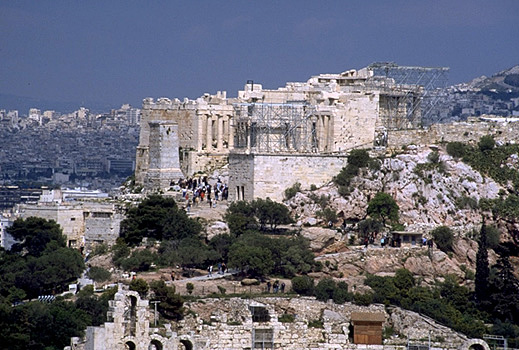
<point>224,131</point>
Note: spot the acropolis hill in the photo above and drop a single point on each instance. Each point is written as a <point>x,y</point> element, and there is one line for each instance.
<point>301,132</point>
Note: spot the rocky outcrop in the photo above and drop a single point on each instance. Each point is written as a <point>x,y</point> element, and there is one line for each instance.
<point>429,194</point>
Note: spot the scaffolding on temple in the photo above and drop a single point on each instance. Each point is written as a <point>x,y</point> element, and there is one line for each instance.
<point>408,94</point>
<point>276,127</point>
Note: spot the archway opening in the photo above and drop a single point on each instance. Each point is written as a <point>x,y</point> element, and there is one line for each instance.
<point>476,347</point>
<point>155,345</point>
<point>185,345</point>
<point>130,345</point>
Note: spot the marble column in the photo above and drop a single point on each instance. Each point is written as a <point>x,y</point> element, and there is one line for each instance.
<point>230,142</point>
<point>209,134</point>
<point>219,136</point>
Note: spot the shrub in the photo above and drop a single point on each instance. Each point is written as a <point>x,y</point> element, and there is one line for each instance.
<point>433,157</point>
<point>190,287</point>
<point>359,158</point>
<point>443,237</point>
<point>315,324</point>
<point>99,274</point>
<point>325,289</point>
<point>340,294</point>
<point>363,299</point>
<point>303,285</point>
<point>328,215</point>
<point>486,143</point>
<point>292,191</point>
<point>456,149</point>
<point>286,318</point>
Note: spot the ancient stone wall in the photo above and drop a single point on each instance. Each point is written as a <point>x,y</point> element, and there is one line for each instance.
<point>467,132</point>
<point>269,175</point>
<point>355,127</point>
<point>262,322</point>
<point>84,224</point>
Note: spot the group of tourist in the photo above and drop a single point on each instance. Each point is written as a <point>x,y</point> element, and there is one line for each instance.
<point>276,286</point>
<point>197,189</point>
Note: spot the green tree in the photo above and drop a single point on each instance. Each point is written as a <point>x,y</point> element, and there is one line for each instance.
<point>303,285</point>
<point>341,294</point>
<point>140,286</point>
<point>159,218</point>
<point>482,269</point>
<point>257,261</point>
<point>325,289</point>
<point>270,213</point>
<point>171,304</point>
<point>443,237</point>
<point>240,217</point>
<point>35,235</point>
<point>383,207</point>
<point>359,158</point>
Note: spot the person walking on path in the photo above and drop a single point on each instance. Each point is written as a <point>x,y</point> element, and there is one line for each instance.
<point>210,269</point>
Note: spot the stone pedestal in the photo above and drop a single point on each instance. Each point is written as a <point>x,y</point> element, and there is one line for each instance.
<point>164,160</point>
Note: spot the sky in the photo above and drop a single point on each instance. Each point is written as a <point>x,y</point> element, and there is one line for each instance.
<point>114,52</point>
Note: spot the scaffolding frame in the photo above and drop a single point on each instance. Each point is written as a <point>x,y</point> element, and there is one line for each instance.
<point>411,93</point>
<point>276,127</point>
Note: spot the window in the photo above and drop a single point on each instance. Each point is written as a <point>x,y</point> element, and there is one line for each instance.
<point>259,314</point>
<point>262,339</point>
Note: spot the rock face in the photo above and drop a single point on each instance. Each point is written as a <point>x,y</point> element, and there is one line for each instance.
<point>422,262</point>
<point>428,193</point>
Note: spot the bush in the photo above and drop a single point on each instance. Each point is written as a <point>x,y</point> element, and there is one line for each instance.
<point>99,274</point>
<point>433,157</point>
<point>292,191</point>
<point>190,287</point>
<point>456,149</point>
<point>341,294</point>
<point>325,289</point>
<point>303,285</point>
<point>327,214</point>
<point>140,286</point>
<point>363,299</point>
<point>286,318</point>
<point>443,237</point>
<point>315,324</point>
<point>359,158</point>
<point>486,143</point>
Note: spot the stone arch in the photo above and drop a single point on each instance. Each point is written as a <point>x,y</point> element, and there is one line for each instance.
<point>185,344</point>
<point>155,345</point>
<point>475,344</point>
<point>129,345</point>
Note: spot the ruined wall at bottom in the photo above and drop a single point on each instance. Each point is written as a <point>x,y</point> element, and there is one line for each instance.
<point>269,175</point>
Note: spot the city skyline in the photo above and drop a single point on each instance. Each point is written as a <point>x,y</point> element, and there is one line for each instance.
<point>121,52</point>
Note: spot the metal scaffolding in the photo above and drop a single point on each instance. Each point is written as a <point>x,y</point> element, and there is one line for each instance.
<point>408,94</point>
<point>275,127</point>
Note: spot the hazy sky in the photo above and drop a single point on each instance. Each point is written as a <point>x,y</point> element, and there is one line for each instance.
<point>115,52</point>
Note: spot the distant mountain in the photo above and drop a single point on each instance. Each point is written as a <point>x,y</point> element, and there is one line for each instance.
<point>24,103</point>
<point>506,81</point>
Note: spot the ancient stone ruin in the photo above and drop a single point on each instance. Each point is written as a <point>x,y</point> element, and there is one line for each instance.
<point>267,323</point>
<point>302,132</point>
